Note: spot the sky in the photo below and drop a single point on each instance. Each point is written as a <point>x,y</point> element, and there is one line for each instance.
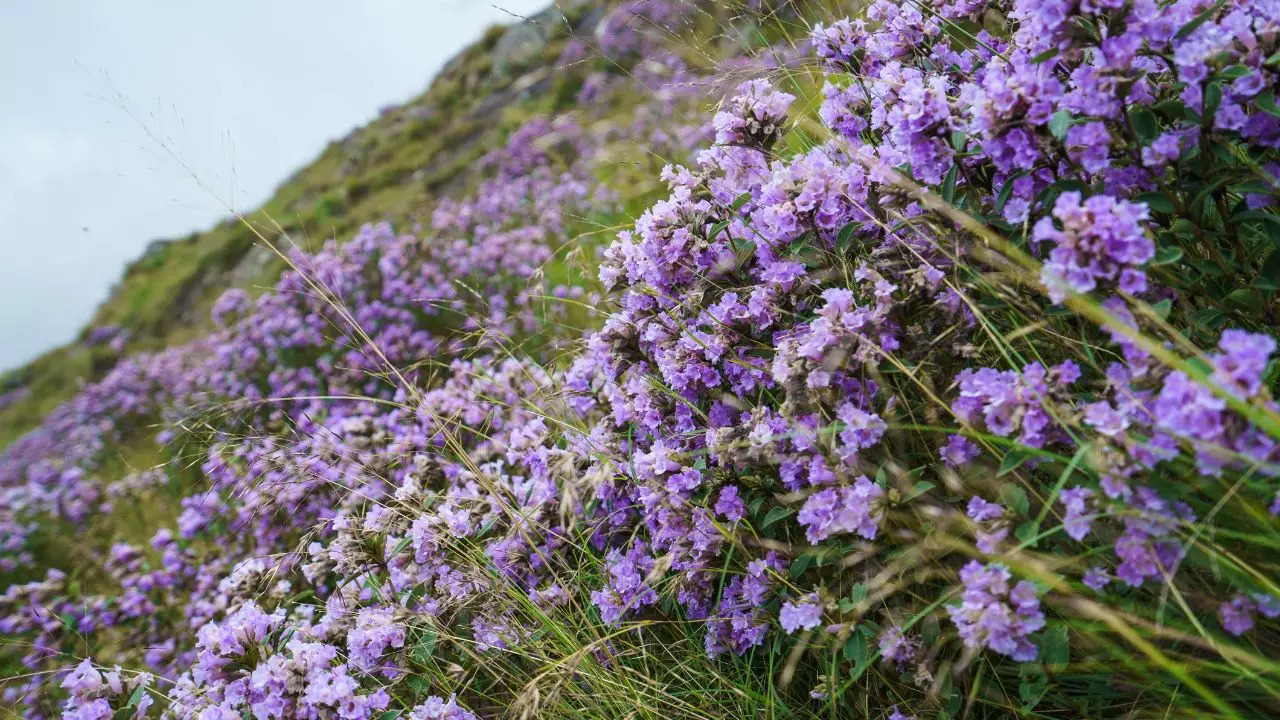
<point>110,110</point>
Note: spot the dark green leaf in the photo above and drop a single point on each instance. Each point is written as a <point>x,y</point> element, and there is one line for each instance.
<point>1206,191</point>
<point>1055,648</point>
<point>774,515</point>
<point>425,648</point>
<point>799,565</point>
<point>1245,299</point>
<point>400,546</point>
<point>1267,103</point>
<point>1012,460</point>
<point>1027,531</point>
<point>1015,498</point>
<point>845,237</point>
<point>1271,268</point>
<point>1235,71</point>
<point>1006,191</point>
<point>717,229</point>
<point>1254,187</point>
<point>949,185</point>
<point>1046,55</point>
<point>1157,201</point>
<point>1212,98</point>
<point>1144,124</point>
<point>1167,255</point>
<point>855,649</point>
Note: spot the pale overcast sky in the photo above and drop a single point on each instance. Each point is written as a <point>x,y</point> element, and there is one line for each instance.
<point>244,91</point>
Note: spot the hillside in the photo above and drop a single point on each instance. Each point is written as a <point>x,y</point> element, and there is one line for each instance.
<point>392,169</point>
<point>684,359</point>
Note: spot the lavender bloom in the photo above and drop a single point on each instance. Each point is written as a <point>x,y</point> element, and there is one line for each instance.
<point>850,509</point>
<point>1101,239</point>
<point>1079,518</point>
<point>729,505</point>
<point>1097,579</point>
<point>959,450</point>
<point>437,708</point>
<point>994,615</point>
<point>898,649</point>
<point>805,614</point>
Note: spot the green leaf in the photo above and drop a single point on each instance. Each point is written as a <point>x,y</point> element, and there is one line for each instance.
<point>1163,308</point>
<point>858,593</point>
<point>1167,255</point>
<point>1235,71</point>
<point>1027,532</point>
<point>1205,192</point>
<point>1144,123</point>
<point>949,185</point>
<point>1060,123</point>
<point>1199,20</point>
<point>1044,56</point>
<point>1254,187</point>
<point>1012,460</point>
<point>1212,98</point>
<point>390,715</point>
<point>799,565</point>
<point>774,515</point>
<point>1055,648</point>
<point>1015,498</point>
<point>855,649</point>
<point>1245,299</point>
<point>717,229</point>
<point>1006,191</point>
<point>1256,216</point>
<point>739,201</point>
<point>400,546</point>
<point>136,697</point>
<point>919,489</point>
<point>425,648</point>
<point>1271,268</point>
<point>845,237</point>
<point>1267,103</point>
<point>1157,201</point>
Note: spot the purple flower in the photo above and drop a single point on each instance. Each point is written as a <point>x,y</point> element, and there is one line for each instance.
<point>1098,240</point>
<point>898,649</point>
<point>1079,517</point>
<point>959,450</point>
<point>1097,579</point>
<point>805,614</point>
<point>993,615</point>
<point>848,509</point>
<point>729,505</point>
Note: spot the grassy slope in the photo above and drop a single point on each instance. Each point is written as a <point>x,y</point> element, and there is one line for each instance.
<point>390,169</point>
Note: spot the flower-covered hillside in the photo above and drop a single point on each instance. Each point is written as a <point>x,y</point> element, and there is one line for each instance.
<point>939,384</point>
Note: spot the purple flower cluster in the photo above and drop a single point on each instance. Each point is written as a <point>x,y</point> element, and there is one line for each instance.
<point>994,615</point>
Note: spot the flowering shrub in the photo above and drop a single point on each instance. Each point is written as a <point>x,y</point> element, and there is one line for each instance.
<point>902,407</point>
